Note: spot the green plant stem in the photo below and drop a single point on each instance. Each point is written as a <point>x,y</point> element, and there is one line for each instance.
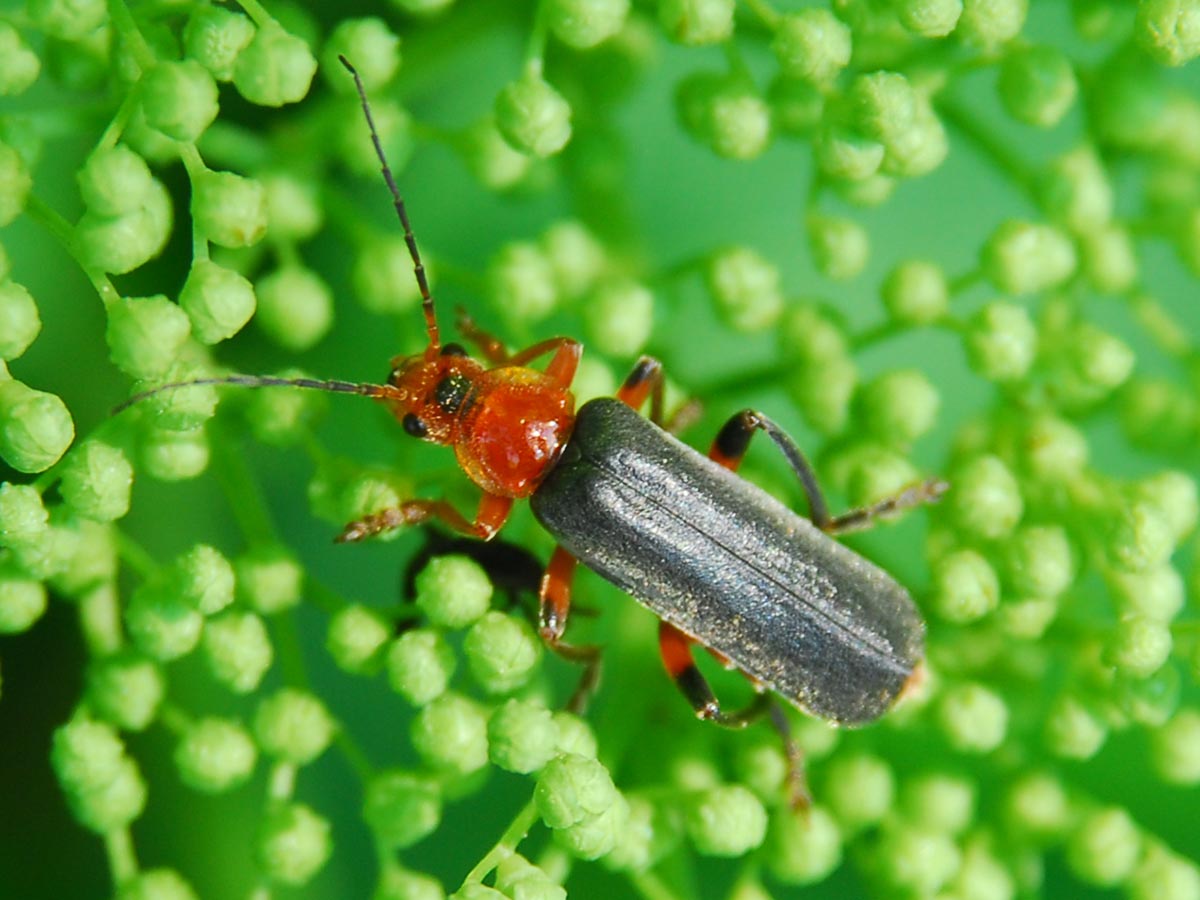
<point>651,886</point>
<point>506,846</point>
<point>242,492</point>
<point>40,211</point>
<point>969,126</point>
<point>122,861</point>
<point>120,119</point>
<point>125,25</point>
<point>257,12</point>
<point>195,167</point>
<point>766,13</point>
<point>136,556</point>
<point>100,620</point>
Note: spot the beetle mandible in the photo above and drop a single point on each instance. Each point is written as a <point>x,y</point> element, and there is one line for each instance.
<point>722,564</point>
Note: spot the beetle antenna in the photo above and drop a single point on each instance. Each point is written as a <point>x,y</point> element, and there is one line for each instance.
<point>418,268</point>
<point>256,381</point>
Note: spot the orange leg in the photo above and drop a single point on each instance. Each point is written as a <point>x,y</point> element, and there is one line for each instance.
<point>492,514</point>
<point>554,602</point>
<point>561,367</point>
<point>676,649</point>
<point>646,380</point>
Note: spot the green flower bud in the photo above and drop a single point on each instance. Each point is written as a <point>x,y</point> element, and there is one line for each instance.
<point>204,578</point>
<point>1037,807</point>
<point>898,406</point>
<point>859,790</point>
<point>533,116</point>
<point>122,243</point>
<point>284,418</point>
<point>1027,618</point>
<point>115,181</point>
<point>619,316</point>
<point>275,68</point>
<point>401,884</point>
<point>1149,701</point>
<point>1001,342</point>
<point>697,22</point>
<point>162,625</point>
<point>218,301</point>
<point>1076,191</point>
<point>1177,496</point>
<point>914,862</point>
<point>356,638</point>
<point>420,664</point>
<point>1039,561</point>
<point>69,20</point>
<point>651,832</point>
<point>521,736</point>
<point>585,23</point>
<point>229,209</point>
<point>1169,30</point>
<point>989,23</point>
<point>476,891</point>
<point>521,282</point>
<point>22,602</point>
<point>973,718</point>
<point>986,500</point>
<point>1175,749</point>
<point>1163,875</point>
<point>19,320</point>
<point>173,455</point>
<point>294,843</point>
<point>917,150</point>
<point>269,579</point>
<point>939,802</point>
<point>179,99</point>
<point>295,307</point>
<point>762,766</point>
<point>1109,259</point>
<point>823,390</point>
<point>19,65</point>
<point>965,587</point>
<point>96,481</point>
<point>453,591</point>
<point>1027,258</point>
<point>745,287</point>
<point>1104,847</point>
<point>401,809</point>
<point>803,849</point>
<point>214,36</point>
<point>596,835</point>
<point>1073,731</point>
<point>383,276</point>
<point>89,553</point>
<point>574,735</point>
<point>293,206</point>
<point>812,45</point>
<point>577,258</point>
<point>293,726</point>
<point>156,884</point>
<point>450,734</point>
<point>238,650</point>
<point>1156,594</point>
<point>502,652</point>
<point>1037,85</point>
<point>571,789</point>
<point>125,689</point>
<point>1139,646</point>
<point>1053,449</point>
<point>23,518</point>
<point>215,755</point>
<point>843,154</point>
<point>915,293</point>
<point>103,786</point>
<point>882,106</point>
<point>1138,535</point>
<point>929,18</point>
<point>592,379</point>
<point>145,334</point>
<point>370,45</point>
<point>840,247</point>
<point>518,877</point>
<point>727,820</point>
<point>736,121</point>
<point>491,159</point>
<point>15,183</point>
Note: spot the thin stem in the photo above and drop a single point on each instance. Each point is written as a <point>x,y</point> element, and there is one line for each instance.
<point>651,886</point>
<point>506,846</point>
<point>126,26</point>
<point>40,211</point>
<point>535,50</point>
<point>117,124</point>
<point>195,167</point>
<point>765,12</point>
<point>136,556</point>
<point>241,490</point>
<point>122,860</point>
<point>257,12</point>
<point>969,126</point>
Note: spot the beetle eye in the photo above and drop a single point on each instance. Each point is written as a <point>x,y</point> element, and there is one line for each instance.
<point>414,426</point>
<point>454,350</point>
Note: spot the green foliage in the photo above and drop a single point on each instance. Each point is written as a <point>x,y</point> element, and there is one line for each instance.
<point>954,238</point>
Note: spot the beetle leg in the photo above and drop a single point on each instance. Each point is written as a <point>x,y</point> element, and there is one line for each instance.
<point>928,491</point>
<point>554,602</point>
<point>492,513</point>
<point>676,649</point>
<point>645,380</point>
<point>801,798</point>
<point>561,366</point>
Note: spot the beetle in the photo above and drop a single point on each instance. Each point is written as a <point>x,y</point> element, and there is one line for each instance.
<point>723,565</point>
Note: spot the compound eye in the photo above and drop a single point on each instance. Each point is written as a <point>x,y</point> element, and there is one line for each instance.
<point>454,350</point>
<point>451,391</point>
<point>414,426</point>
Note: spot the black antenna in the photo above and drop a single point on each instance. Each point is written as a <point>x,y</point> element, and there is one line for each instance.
<point>255,381</point>
<point>418,268</point>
